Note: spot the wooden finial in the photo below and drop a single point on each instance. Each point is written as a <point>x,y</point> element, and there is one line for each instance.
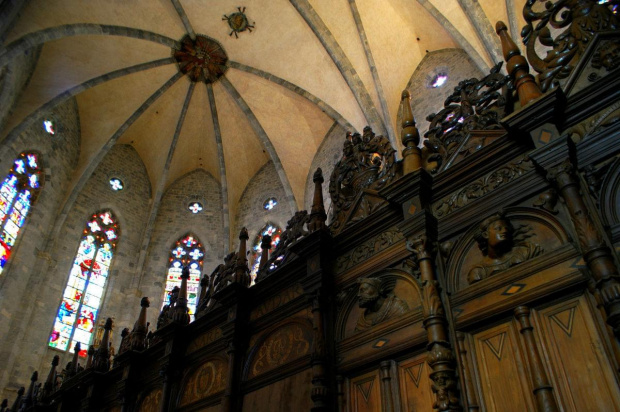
<point>410,136</point>
<point>242,274</point>
<point>29,399</point>
<point>50,382</point>
<point>74,362</point>
<point>265,245</point>
<point>317,213</point>
<point>18,400</point>
<point>140,328</point>
<point>89,360</point>
<point>517,67</point>
<point>101,360</point>
<point>180,312</point>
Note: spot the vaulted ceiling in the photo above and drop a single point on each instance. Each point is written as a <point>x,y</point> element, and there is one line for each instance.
<point>305,65</point>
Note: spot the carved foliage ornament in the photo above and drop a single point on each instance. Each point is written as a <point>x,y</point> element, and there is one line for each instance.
<point>483,186</point>
<point>473,105</point>
<point>367,163</point>
<point>286,344</point>
<point>575,22</point>
<point>208,379</point>
<point>368,249</point>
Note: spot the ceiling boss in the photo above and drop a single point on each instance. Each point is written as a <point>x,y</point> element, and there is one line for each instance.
<point>202,59</point>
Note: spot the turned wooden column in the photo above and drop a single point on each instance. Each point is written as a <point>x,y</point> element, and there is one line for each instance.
<point>242,273</point>
<point>595,251</point>
<point>601,309</point>
<point>409,136</point>
<point>320,389</point>
<point>543,391</point>
<point>265,245</point>
<point>440,357</point>
<point>386,386</point>
<point>466,380</point>
<point>317,218</point>
<point>517,67</point>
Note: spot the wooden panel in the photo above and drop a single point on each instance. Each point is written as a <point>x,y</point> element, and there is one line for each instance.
<point>415,385</point>
<point>365,393</point>
<point>580,365</point>
<point>503,383</point>
<point>289,394</point>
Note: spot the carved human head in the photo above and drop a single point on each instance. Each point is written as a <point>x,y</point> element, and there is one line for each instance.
<point>368,292</point>
<point>495,234</point>
<point>607,56</point>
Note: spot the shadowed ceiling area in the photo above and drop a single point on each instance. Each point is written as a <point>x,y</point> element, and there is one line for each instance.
<point>227,87</point>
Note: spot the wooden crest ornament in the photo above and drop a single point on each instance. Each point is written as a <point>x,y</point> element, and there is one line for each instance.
<point>367,165</point>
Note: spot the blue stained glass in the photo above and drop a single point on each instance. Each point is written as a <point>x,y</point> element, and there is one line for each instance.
<point>34,181</point>
<point>9,188</point>
<point>77,313</point>
<point>20,166</point>
<point>32,161</point>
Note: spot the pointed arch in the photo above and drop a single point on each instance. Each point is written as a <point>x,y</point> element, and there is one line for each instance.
<point>270,229</point>
<point>18,192</point>
<point>188,250</point>
<point>77,313</point>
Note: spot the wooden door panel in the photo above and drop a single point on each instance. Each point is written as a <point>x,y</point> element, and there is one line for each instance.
<point>580,366</point>
<point>501,370</point>
<point>415,385</point>
<point>365,393</point>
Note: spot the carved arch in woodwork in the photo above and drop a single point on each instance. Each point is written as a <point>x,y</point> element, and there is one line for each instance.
<point>203,381</point>
<point>544,228</point>
<point>395,281</point>
<point>279,346</point>
<point>150,399</point>
<point>610,197</point>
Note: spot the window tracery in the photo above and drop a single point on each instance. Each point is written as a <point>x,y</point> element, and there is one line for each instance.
<point>186,251</point>
<point>18,192</point>
<point>271,230</point>
<point>77,315</point>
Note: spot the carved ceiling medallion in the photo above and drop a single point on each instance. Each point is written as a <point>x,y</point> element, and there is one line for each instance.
<point>238,22</point>
<point>202,59</point>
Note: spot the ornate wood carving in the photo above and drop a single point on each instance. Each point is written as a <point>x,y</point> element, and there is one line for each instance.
<point>386,386</point>
<point>317,218</point>
<point>379,304</point>
<point>581,20</point>
<point>320,386</point>
<point>151,402</point>
<point>410,136</point>
<point>271,304</point>
<point>441,358</point>
<point>468,383</point>
<point>294,231</point>
<point>367,164</point>
<point>204,339</point>
<point>482,187</point>
<point>287,343</point>
<point>368,249</point>
<point>543,391</point>
<point>595,251</point>
<point>136,340</point>
<point>474,105</point>
<point>207,379</point>
<point>101,360</point>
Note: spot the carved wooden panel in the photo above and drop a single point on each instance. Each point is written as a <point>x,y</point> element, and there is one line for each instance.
<point>204,381</point>
<point>534,233</point>
<point>288,394</point>
<point>579,363</point>
<point>415,386</point>
<point>204,339</point>
<point>150,402</point>
<point>502,371</point>
<point>288,342</point>
<point>275,302</point>
<point>365,393</point>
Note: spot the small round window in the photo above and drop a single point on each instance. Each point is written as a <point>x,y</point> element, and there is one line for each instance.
<point>116,184</point>
<point>49,126</point>
<point>439,80</point>
<point>195,207</point>
<point>270,203</point>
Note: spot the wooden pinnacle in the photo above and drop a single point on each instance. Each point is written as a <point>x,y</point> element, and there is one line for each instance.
<point>410,136</point>
<point>517,67</point>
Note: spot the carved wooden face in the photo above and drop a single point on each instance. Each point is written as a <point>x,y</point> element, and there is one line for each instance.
<point>367,295</point>
<point>498,233</point>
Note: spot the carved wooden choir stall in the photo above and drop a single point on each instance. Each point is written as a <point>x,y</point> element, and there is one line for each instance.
<point>478,273</point>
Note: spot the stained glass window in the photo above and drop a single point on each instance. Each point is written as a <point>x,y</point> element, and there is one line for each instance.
<point>270,203</point>
<point>271,230</point>
<point>116,184</point>
<point>186,251</point>
<point>49,127</point>
<point>439,80</point>
<point>195,207</point>
<point>17,193</point>
<point>77,314</point>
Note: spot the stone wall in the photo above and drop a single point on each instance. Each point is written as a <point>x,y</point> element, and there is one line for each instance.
<point>175,220</point>
<point>456,64</point>
<point>251,214</point>
<point>326,157</point>
<point>22,294</point>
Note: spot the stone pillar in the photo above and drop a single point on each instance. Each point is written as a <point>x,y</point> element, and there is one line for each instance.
<point>440,358</point>
<point>543,391</point>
